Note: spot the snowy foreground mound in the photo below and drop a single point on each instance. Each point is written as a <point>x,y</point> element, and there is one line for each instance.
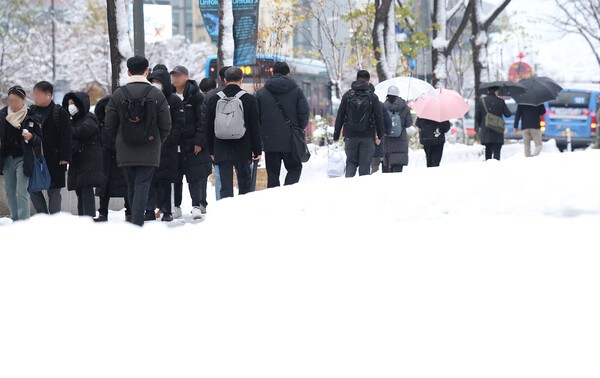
<point>472,270</point>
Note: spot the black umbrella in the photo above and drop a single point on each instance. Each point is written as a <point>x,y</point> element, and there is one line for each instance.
<point>507,88</point>
<point>537,91</point>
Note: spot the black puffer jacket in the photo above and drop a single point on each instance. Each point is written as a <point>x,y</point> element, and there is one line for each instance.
<point>276,134</point>
<point>87,166</point>
<point>194,166</point>
<point>167,171</point>
<point>12,143</point>
<point>495,105</point>
<point>376,116</point>
<point>396,149</point>
<point>114,183</point>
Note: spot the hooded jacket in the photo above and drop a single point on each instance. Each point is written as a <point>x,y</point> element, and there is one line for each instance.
<point>194,166</point>
<point>87,166</point>
<point>167,170</point>
<point>396,149</point>
<point>376,115</point>
<point>276,134</point>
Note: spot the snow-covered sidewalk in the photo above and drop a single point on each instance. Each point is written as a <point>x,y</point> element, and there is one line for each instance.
<point>468,270</point>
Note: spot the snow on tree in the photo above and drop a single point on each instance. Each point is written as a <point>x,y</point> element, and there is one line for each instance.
<point>384,39</point>
<point>480,25</point>
<point>581,17</point>
<point>226,40</point>
<point>443,41</point>
<point>178,51</point>
<point>120,41</point>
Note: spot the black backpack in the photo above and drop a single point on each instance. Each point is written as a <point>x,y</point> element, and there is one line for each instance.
<point>358,112</point>
<point>140,124</point>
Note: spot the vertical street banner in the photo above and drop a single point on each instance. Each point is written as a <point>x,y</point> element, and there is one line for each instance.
<point>245,27</point>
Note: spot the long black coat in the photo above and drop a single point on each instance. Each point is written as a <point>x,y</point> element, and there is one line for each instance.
<point>276,134</point>
<point>396,149</point>
<point>497,106</point>
<point>194,166</point>
<point>87,165</point>
<point>56,140</point>
<point>167,170</point>
<point>240,150</point>
<point>9,136</point>
<point>114,179</point>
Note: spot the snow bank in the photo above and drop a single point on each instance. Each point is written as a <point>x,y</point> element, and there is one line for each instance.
<point>478,269</point>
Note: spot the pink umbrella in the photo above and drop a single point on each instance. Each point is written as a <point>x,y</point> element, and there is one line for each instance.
<point>441,105</point>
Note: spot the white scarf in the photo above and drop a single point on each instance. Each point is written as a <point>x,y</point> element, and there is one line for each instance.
<point>16,118</point>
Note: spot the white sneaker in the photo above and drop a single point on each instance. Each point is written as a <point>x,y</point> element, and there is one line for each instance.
<point>177,214</point>
<point>196,213</point>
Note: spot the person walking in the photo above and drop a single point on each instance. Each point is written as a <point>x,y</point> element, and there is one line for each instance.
<point>491,139</point>
<point>362,120</point>
<point>204,116</point>
<point>86,169</point>
<point>396,139</point>
<point>139,121</point>
<point>57,146</point>
<point>20,139</point>
<point>529,117</point>
<point>114,185</point>
<point>282,105</point>
<point>194,159</point>
<point>433,137</point>
<point>233,133</point>
<point>166,174</point>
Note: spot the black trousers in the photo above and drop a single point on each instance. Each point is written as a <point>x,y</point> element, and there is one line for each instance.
<point>244,176</point>
<point>434,153</point>
<point>396,168</point>
<point>139,180</point>
<point>359,153</point>
<point>492,151</point>
<point>293,167</point>
<point>105,200</point>
<point>159,196</point>
<point>86,202</point>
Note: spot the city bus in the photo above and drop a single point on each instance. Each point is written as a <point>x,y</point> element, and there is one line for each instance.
<point>574,110</point>
<point>311,75</point>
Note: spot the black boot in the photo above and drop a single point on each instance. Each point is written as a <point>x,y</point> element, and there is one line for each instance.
<point>149,216</point>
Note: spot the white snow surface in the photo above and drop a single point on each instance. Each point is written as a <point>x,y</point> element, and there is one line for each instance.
<point>473,269</point>
<point>124,40</point>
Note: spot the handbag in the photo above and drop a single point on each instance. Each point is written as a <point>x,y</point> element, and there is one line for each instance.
<point>300,151</point>
<point>492,121</point>
<point>40,177</point>
<point>336,163</point>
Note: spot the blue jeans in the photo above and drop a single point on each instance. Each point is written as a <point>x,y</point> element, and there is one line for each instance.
<point>218,182</point>
<point>15,185</point>
<point>138,180</point>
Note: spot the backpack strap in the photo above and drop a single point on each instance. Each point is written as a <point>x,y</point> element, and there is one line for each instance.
<point>55,116</point>
<point>484,105</point>
<point>222,95</point>
<point>240,94</point>
<point>286,118</point>
<point>147,91</point>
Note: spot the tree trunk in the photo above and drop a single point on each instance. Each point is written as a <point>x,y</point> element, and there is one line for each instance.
<point>380,38</point>
<point>226,41</point>
<point>477,46</point>
<point>115,56</point>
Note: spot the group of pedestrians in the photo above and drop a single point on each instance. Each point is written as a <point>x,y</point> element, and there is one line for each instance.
<point>141,141</point>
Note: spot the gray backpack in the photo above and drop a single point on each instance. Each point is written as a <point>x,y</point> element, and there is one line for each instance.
<point>229,119</point>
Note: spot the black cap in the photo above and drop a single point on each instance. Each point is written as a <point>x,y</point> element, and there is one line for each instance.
<point>181,70</point>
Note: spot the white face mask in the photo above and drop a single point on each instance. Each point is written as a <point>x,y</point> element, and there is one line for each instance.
<point>73,109</point>
<point>158,85</point>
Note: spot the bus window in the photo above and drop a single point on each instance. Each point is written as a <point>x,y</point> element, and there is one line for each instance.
<point>571,100</point>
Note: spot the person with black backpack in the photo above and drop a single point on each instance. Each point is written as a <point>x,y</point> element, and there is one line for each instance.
<point>233,133</point>
<point>282,105</point>
<point>57,146</point>
<point>139,120</point>
<point>395,156</point>
<point>361,118</point>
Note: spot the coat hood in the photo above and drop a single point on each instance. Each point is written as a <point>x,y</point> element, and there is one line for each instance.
<point>191,88</point>
<point>165,79</point>
<point>360,85</point>
<point>100,110</point>
<point>81,100</point>
<point>395,104</point>
<point>280,84</point>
